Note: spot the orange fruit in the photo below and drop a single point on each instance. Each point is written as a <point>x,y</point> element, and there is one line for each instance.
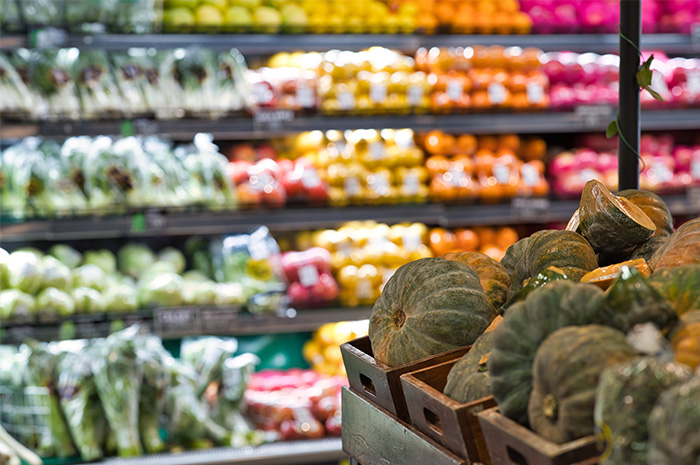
<point>483,161</point>
<point>487,236</point>
<point>541,189</point>
<point>491,191</point>
<point>534,149</point>
<point>437,164</point>
<point>439,143</point>
<point>522,23</point>
<point>494,252</point>
<point>489,143</point>
<point>467,240</point>
<point>508,6</point>
<point>509,141</point>
<point>427,23</point>
<point>442,241</point>
<point>445,12</point>
<point>466,144</point>
<point>506,236</point>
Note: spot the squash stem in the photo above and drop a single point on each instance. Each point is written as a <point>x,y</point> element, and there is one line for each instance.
<point>399,319</point>
<point>550,407</point>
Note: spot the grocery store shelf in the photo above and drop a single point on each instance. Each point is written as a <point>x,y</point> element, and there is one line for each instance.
<point>264,44</point>
<point>10,132</point>
<point>316,451</point>
<point>582,119</point>
<point>519,211</point>
<point>176,323</point>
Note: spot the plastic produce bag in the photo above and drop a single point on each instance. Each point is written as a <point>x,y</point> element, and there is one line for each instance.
<point>130,77</point>
<point>88,15</point>
<point>133,16</point>
<point>15,96</point>
<point>189,81</point>
<point>625,397</point>
<point>41,360</point>
<point>207,356</point>
<point>24,271</point>
<point>52,76</point>
<point>118,378</point>
<point>207,165</point>
<point>234,90</point>
<point>81,404</point>
<point>182,188</point>
<point>99,95</point>
<point>9,16</point>
<point>42,12</point>
<point>156,379</point>
<point>226,404</point>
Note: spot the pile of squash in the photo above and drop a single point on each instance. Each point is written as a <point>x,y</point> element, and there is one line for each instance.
<point>565,360</point>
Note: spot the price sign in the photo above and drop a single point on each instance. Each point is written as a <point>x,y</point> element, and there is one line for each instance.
<point>529,208</point>
<point>497,93</point>
<point>178,320</point>
<point>219,320</point>
<point>145,126</point>
<point>414,95</point>
<point>693,195</point>
<point>270,120</point>
<point>378,92</point>
<point>593,116</point>
<point>346,101</point>
<point>535,93</point>
<point>454,89</point>
<point>308,275</point>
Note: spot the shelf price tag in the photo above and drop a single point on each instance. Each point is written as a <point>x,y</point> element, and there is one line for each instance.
<point>693,195</point>
<point>529,207</point>
<point>454,89</point>
<point>535,93</point>
<point>219,320</point>
<point>272,119</point>
<point>308,275</point>
<point>593,116</point>
<point>146,127</point>
<point>177,320</point>
<point>695,34</point>
<point>49,37</point>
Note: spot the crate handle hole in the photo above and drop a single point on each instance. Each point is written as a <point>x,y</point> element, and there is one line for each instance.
<point>368,385</point>
<point>516,457</point>
<point>433,420</point>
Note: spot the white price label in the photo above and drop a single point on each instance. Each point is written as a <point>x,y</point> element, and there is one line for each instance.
<point>497,93</point>
<point>414,95</point>
<point>308,275</point>
<point>454,89</point>
<point>411,184</point>
<point>306,97</point>
<point>535,93</point>
<point>310,179</point>
<point>346,101</point>
<point>695,169</point>
<point>377,151</point>
<point>378,92</point>
<point>352,186</point>
<point>411,242</point>
<point>663,172</point>
<point>381,184</point>
<point>693,82</point>
<point>502,173</point>
<point>531,176</point>
<point>258,250</point>
<point>587,174</point>
<point>364,289</point>
<point>454,177</point>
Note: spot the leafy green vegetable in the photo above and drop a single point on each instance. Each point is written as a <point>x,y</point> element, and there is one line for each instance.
<point>66,255</point>
<point>89,276</point>
<point>121,298</point>
<point>102,258</point>
<point>16,304</point>
<point>54,301</point>
<point>87,300</point>
<point>156,379</point>
<point>56,274</point>
<point>207,356</point>
<point>135,258</point>
<point>25,271</point>
<point>163,290</point>
<point>174,256</point>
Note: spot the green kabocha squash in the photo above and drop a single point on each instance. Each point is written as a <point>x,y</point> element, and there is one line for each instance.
<point>565,250</point>
<point>514,254</point>
<point>682,248</point>
<point>551,274</point>
<point>468,380</point>
<point>647,248</point>
<point>674,424</point>
<point>685,339</point>
<point>680,285</point>
<point>633,300</point>
<point>612,224</point>
<point>428,306</point>
<point>625,397</point>
<point>525,325</point>
<point>493,276</point>
<point>566,370</point>
<point>655,208</point>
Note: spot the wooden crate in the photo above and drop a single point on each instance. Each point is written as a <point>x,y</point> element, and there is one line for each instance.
<point>450,423</point>
<point>381,383</point>
<point>373,436</point>
<point>510,443</point>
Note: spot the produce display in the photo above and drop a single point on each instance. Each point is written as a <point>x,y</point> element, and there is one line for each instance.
<point>106,176</point>
<point>114,396</point>
<point>294,404</point>
<point>309,276</point>
<point>492,242</point>
<point>93,84</point>
<point>232,272</point>
<point>322,351</point>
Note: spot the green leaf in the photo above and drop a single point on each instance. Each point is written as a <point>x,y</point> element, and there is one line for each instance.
<point>654,94</point>
<point>612,130</point>
<point>644,73</point>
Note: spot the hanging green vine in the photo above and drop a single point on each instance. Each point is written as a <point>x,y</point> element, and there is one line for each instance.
<point>643,75</point>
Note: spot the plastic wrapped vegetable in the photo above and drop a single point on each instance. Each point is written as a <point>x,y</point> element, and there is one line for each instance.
<point>41,361</point>
<point>208,166</point>
<point>52,76</point>
<point>99,95</point>
<point>16,305</point>
<point>189,79</point>
<point>235,376</point>
<point>207,356</point>
<point>134,258</point>
<point>118,379</point>
<point>233,86</point>
<point>52,302</point>
<point>24,271</point>
<point>56,274</point>
<point>625,397</point>
<point>133,16</point>
<point>9,16</point>
<point>3,270</point>
<point>156,379</point>
<point>130,77</point>
<point>66,255</point>
<point>182,189</point>
<point>103,258</point>
<point>165,290</point>
<point>15,98</point>
<point>81,404</point>
<point>229,294</point>
<point>41,12</point>
<point>199,293</point>
<point>87,300</point>
<point>88,15</point>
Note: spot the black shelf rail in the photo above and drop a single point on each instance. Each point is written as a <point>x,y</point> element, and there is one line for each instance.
<point>587,118</point>
<point>267,44</point>
<point>518,211</point>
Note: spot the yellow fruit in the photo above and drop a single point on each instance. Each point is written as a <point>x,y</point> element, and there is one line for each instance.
<point>312,352</point>
<point>325,334</point>
<point>207,15</point>
<point>332,354</point>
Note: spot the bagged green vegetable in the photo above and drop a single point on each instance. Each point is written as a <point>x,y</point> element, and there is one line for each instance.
<point>134,258</point>
<point>156,379</point>
<point>81,404</point>
<point>118,379</point>
<point>204,163</point>
<point>133,16</point>
<point>196,293</point>
<point>42,12</point>
<point>234,90</point>
<point>130,77</point>
<point>24,271</point>
<point>229,294</point>
<point>15,97</point>
<point>52,76</point>
<point>625,397</point>
<point>88,16</point>
<point>54,302</point>
<point>41,361</point>
<point>66,255</point>
<point>16,305</point>
<point>207,356</point>
<point>189,80</point>
<point>235,375</point>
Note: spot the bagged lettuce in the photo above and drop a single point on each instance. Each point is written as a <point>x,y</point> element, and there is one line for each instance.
<point>52,76</point>
<point>133,16</point>
<point>66,255</point>
<point>199,293</point>
<point>156,379</point>
<point>55,274</point>
<point>235,375</point>
<point>108,180</point>
<point>15,97</point>
<point>42,12</point>
<point>99,95</point>
<point>81,404</point>
<point>134,258</point>
<point>189,81</point>
<point>102,258</point>
<point>54,302</point>
<point>206,355</point>
<point>88,16</point>
<point>24,271</point>
<point>87,300</point>
<point>9,16</point>
<point>130,77</point>
<point>16,305</point>
<point>204,163</point>
<point>234,90</point>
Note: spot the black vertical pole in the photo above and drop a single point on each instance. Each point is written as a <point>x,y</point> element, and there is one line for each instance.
<point>630,27</point>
